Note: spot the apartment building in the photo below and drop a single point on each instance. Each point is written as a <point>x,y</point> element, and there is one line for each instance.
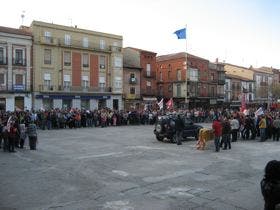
<point>15,69</point>
<point>264,78</point>
<point>131,79</point>
<point>76,68</point>
<point>172,78</point>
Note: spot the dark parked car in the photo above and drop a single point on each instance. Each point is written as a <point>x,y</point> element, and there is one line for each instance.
<point>165,128</point>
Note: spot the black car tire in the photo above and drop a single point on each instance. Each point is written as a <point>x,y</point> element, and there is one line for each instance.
<point>159,138</point>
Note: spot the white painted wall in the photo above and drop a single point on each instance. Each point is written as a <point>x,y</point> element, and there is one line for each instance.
<point>76,103</point>
<point>10,103</point>
<point>57,103</point>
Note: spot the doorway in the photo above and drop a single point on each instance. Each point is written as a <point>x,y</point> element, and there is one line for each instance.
<point>19,103</point>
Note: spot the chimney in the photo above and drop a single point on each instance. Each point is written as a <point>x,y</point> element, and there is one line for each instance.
<point>75,26</point>
<point>217,60</point>
<point>251,67</point>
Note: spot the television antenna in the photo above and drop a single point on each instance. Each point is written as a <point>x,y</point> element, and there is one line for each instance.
<point>22,17</point>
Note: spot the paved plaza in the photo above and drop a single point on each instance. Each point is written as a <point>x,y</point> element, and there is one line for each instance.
<point>127,168</point>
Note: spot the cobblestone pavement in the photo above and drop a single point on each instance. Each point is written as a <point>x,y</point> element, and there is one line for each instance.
<point>127,168</point>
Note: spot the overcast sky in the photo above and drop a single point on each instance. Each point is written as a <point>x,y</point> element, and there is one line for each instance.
<point>242,32</point>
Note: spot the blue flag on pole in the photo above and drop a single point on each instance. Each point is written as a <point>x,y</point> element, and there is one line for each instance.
<point>181,34</point>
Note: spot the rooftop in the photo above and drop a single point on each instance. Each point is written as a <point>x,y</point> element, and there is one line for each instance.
<point>14,31</point>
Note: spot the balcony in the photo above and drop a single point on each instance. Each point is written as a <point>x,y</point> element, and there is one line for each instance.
<point>221,82</point>
<point>48,40</point>
<point>46,88</point>
<point>132,80</point>
<point>132,96</point>
<point>19,62</point>
<point>115,49</point>
<point>149,75</point>
<point>84,89</point>
<point>148,92</point>
<point>78,44</point>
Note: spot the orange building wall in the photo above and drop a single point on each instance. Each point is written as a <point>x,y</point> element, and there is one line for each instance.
<point>76,69</point>
<point>94,68</point>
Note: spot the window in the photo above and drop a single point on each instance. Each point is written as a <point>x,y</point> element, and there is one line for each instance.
<point>250,87</point>
<point>67,39</point>
<point>2,55</point>
<point>85,83</point>
<point>160,76</point>
<point>118,82</point>
<point>169,88</point>
<point>118,62</point>
<point>85,42</point>
<point>102,44</point>
<point>132,90</point>
<point>66,81</point>
<point>148,84</point>
<point>19,57</point>
<point>19,79</point>
<point>269,80</point>
<point>47,56</point>
<point>102,62</point>
<point>169,74</point>
<point>178,75</point>
<point>178,90</point>
<point>102,82</point>
<point>67,59</point>
<point>193,74</point>
<point>85,60</point>
<point>212,76</point>
<point>2,79</point>
<point>115,44</point>
<point>48,37</point>
<point>148,69</point>
<point>47,80</point>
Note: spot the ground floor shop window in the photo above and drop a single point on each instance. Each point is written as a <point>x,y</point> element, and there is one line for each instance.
<point>85,104</point>
<point>67,103</point>
<point>101,103</point>
<point>2,104</point>
<point>47,103</point>
<point>19,103</point>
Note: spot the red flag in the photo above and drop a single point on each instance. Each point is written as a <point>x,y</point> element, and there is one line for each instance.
<point>169,104</point>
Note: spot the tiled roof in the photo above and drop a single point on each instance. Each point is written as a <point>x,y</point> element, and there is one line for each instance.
<point>238,77</point>
<point>14,31</point>
<point>176,56</point>
<point>264,69</point>
<point>140,50</point>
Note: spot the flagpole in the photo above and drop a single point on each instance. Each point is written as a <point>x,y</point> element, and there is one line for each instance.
<point>186,99</point>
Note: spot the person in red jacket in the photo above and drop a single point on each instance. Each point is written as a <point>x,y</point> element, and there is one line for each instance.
<point>217,127</point>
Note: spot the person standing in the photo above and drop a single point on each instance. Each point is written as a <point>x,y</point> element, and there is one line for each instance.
<point>234,123</point>
<point>179,126</point>
<point>32,135</point>
<point>262,127</point>
<point>217,127</point>
<point>226,129</point>
<point>276,126</point>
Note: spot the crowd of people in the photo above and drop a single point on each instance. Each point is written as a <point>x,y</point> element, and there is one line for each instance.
<point>228,125</point>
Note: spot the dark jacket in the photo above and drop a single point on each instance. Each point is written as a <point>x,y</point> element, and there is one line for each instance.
<point>226,127</point>
<point>271,193</point>
<point>179,123</point>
